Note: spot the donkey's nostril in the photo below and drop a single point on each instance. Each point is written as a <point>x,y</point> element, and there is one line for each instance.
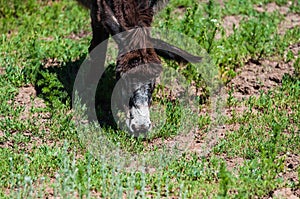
<point>143,128</point>
<point>133,127</point>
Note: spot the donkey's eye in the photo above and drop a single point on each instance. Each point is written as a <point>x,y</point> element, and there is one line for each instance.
<point>134,61</point>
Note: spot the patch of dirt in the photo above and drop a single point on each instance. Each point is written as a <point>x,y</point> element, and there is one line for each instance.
<point>232,164</point>
<point>290,21</point>
<point>229,22</point>
<point>291,165</point>
<point>254,77</point>
<point>27,99</point>
<point>233,111</point>
<point>284,193</point>
<point>180,12</point>
<point>181,141</point>
<point>290,176</point>
<point>273,7</point>
<point>205,141</point>
<point>295,49</point>
<point>77,36</point>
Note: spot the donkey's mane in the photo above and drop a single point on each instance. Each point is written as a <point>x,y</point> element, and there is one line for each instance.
<point>133,13</point>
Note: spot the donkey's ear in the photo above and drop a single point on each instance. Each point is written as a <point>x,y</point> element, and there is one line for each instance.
<point>109,20</point>
<point>169,51</point>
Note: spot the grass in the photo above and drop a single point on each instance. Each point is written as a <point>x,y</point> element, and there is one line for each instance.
<point>43,153</point>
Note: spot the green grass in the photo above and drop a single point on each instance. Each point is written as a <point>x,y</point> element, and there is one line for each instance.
<point>44,154</point>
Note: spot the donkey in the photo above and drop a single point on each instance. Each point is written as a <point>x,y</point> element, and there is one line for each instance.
<point>138,62</point>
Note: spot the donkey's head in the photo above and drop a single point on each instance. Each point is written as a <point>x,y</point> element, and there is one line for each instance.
<point>137,71</point>
<point>138,62</point>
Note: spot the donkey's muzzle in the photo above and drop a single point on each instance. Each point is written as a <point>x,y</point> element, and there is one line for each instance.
<point>139,122</point>
<point>143,128</point>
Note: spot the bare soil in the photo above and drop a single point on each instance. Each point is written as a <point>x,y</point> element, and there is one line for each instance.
<point>231,22</point>
<point>273,7</point>
<point>28,99</point>
<point>284,193</point>
<point>77,36</point>
<point>180,12</point>
<point>254,77</point>
<point>290,21</point>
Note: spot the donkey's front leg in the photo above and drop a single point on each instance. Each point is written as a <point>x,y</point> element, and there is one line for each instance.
<point>98,45</point>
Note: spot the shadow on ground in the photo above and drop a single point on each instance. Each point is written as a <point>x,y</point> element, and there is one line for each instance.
<point>54,82</point>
